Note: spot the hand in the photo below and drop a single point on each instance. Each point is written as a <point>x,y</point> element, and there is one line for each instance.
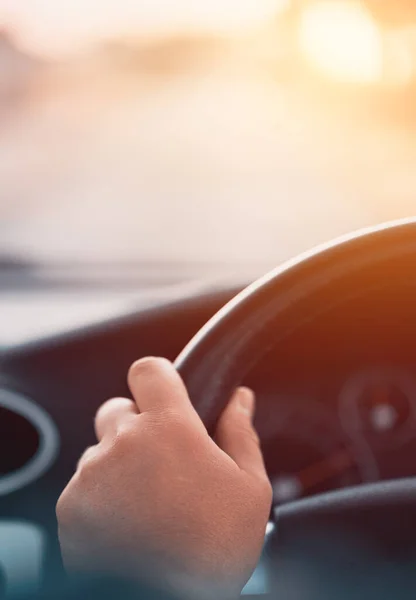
<point>157,497</point>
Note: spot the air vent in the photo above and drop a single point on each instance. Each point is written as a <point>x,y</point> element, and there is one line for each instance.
<point>29,441</point>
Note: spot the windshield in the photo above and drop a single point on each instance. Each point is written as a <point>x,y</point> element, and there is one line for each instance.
<point>178,132</point>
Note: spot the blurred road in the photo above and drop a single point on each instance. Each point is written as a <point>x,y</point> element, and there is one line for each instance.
<point>214,161</point>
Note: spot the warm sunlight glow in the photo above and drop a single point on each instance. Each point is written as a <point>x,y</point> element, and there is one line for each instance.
<point>60,25</point>
<point>343,41</point>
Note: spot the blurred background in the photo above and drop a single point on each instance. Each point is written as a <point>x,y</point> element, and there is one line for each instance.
<point>190,138</point>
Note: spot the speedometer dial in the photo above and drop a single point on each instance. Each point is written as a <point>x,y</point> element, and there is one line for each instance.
<point>379,405</point>
<point>306,455</point>
<point>377,409</point>
<point>305,470</point>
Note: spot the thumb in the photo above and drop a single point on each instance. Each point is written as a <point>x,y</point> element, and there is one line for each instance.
<point>236,435</point>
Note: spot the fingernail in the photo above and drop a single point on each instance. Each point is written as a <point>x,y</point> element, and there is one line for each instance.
<point>246,400</point>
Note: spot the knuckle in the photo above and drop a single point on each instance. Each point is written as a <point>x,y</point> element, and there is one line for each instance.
<point>127,432</point>
<point>88,459</point>
<point>87,455</point>
<point>104,407</point>
<point>88,467</point>
<point>125,440</point>
<point>65,508</point>
<point>107,406</point>
<point>122,443</point>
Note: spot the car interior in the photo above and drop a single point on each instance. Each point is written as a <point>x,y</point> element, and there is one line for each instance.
<point>326,341</point>
<point>146,190</point>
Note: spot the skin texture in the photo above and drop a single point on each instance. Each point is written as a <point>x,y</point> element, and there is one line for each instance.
<point>158,499</point>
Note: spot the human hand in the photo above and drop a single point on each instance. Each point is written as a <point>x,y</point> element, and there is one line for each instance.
<point>158,498</point>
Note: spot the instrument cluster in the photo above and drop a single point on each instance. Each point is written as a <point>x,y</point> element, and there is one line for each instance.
<point>368,434</point>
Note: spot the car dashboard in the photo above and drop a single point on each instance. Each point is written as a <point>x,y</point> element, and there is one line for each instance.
<point>336,398</point>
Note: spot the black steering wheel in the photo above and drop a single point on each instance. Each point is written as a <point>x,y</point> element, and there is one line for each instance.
<point>364,537</point>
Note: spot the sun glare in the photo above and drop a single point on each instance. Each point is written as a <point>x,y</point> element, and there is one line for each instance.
<point>343,41</point>
<point>59,25</point>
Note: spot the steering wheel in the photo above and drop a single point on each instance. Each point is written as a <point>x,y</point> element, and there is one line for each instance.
<point>364,537</point>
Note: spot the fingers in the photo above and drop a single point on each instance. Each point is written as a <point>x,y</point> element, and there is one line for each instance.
<point>157,387</point>
<point>236,435</point>
<point>112,414</point>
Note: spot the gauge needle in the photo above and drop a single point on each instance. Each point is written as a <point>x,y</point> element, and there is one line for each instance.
<point>325,469</point>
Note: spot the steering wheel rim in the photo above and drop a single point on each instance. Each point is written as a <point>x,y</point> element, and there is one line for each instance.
<point>356,533</point>
<point>216,360</point>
